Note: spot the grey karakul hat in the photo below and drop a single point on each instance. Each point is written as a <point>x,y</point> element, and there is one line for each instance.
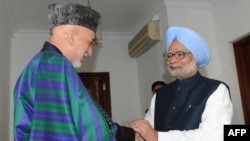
<point>73,14</point>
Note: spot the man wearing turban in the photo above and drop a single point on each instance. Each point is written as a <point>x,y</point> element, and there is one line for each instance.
<point>193,107</point>
<point>51,102</point>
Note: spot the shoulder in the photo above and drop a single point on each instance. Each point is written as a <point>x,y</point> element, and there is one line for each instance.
<point>212,81</point>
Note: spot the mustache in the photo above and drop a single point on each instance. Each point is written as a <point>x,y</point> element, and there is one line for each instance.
<point>174,66</point>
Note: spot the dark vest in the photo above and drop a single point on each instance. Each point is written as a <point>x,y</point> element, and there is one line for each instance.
<point>180,104</point>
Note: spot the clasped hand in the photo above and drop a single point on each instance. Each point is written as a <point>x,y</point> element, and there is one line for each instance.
<point>144,131</point>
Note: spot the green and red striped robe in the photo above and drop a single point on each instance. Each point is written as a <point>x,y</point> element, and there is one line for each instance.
<point>52,104</point>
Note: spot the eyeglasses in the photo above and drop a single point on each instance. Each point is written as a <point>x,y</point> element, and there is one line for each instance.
<point>179,55</point>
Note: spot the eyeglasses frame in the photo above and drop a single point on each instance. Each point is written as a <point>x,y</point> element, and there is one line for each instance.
<point>174,54</point>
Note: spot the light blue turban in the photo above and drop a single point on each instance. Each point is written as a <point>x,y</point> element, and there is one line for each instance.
<point>192,41</point>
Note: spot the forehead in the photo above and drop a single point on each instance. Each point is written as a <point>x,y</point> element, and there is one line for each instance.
<point>158,86</point>
<point>177,46</point>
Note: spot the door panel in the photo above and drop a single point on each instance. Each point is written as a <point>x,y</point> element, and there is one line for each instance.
<point>98,87</point>
<point>242,58</point>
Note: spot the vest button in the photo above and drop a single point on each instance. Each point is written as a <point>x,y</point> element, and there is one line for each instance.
<point>174,108</point>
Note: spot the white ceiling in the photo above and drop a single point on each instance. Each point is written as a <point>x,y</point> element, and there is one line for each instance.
<point>117,15</point>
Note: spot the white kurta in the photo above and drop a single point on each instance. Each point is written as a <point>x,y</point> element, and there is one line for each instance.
<point>217,113</point>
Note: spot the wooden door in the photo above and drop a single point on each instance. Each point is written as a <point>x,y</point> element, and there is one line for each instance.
<point>242,58</point>
<point>98,87</point>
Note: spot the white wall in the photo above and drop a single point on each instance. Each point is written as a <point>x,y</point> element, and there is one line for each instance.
<point>231,22</point>
<point>219,26</point>
<point>5,37</point>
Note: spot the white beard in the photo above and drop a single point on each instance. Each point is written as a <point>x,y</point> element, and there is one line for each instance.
<point>183,73</point>
<point>77,64</point>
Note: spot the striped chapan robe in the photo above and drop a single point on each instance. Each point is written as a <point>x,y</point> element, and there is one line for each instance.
<point>52,104</point>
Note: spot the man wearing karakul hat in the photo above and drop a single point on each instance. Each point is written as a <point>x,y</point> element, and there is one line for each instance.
<point>50,101</point>
<point>192,107</point>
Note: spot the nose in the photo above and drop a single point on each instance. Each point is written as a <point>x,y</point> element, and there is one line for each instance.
<point>171,60</point>
<point>89,51</point>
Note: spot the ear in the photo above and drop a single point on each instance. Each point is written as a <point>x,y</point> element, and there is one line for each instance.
<point>71,38</point>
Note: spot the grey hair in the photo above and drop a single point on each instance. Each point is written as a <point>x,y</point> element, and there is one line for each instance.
<point>72,14</point>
